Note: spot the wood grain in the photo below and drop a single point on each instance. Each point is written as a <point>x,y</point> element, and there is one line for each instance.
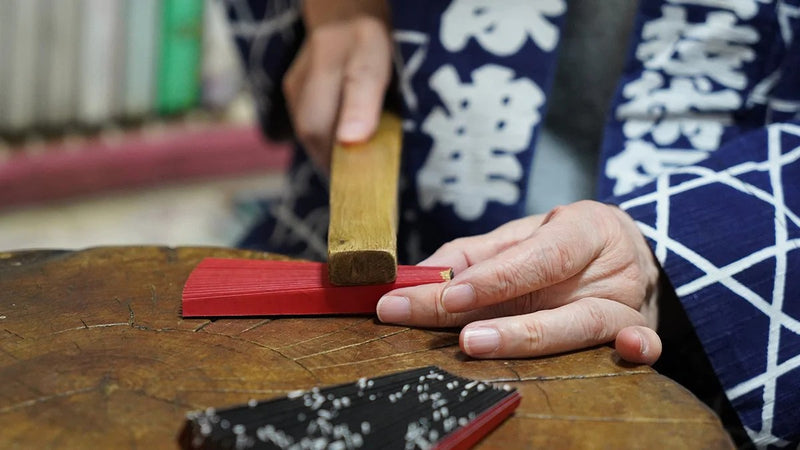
<point>94,354</point>
<point>362,235</point>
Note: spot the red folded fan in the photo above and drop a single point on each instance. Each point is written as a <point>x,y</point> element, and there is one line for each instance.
<point>252,287</point>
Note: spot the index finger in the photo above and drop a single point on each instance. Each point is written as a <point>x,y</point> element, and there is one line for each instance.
<point>467,251</point>
<point>366,77</point>
<point>564,245</point>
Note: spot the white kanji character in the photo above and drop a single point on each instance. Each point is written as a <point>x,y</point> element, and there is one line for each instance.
<point>641,162</point>
<point>712,48</point>
<point>501,27</point>
<point>668,113</point>
<point>475,139</point>
<point>745,9</point>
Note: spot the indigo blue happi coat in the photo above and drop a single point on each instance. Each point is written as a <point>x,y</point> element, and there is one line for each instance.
<point>701,148</point>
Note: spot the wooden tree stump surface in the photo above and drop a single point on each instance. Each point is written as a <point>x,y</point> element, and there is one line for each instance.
<point>94,353</point>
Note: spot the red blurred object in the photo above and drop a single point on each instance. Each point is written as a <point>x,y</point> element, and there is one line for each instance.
<point>60,169</point>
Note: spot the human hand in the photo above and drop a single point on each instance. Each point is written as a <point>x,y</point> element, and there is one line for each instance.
<point>580,276</point>
<point>340,74</point>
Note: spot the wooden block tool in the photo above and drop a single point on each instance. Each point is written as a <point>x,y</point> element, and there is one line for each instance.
<point>362,235</point>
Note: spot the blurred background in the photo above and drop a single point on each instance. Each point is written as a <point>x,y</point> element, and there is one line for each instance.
<point>129,122</point>
<point>126,122</point>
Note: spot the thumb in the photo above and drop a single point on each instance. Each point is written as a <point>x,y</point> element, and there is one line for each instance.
<point>638,344</point>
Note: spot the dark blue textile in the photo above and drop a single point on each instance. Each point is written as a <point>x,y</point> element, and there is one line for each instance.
<point>473,77</point>
<point>701,149</point>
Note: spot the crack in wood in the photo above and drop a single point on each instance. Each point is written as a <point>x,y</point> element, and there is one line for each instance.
<point>299,363</point>
<point>327,334</point>
<point>265,321</point>
<point>572,377</point>
<point>173,401</point>
<point>351,363</point>
<point>202,325</point>
<point>97,325</point>
<point>131,315</point>
<point>546,396</point>
<point>14,334</point>
<point>353,345</point>
<point>46,398</point>
<point>513,370</point>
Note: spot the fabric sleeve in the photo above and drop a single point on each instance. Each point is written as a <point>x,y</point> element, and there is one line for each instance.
<point>701,149</point>
<point>268,34</point>
<point>727,231</point>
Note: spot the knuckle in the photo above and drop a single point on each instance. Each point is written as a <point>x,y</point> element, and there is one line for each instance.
<point>554,261</point>
<point>369,27</point>
<point>451,246</point>
<point>596,327</point>
<point>455,244</point>
<point>456,247</point>
<point>505,277</point>
<point>555,212</point>
<point>590,204</point>
<point>634,283</point>
<point>534,337</point>
<point>325,50</point>
<point>359,71</point>
<point>563,257</point>
<point>323,38</point>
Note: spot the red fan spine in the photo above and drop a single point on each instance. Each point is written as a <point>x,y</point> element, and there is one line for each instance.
<point>241,287</point>
<point>466,437</point>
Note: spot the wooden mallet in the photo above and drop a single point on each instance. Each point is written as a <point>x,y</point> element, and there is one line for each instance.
<point>362,236</point>
<point>362,249</point>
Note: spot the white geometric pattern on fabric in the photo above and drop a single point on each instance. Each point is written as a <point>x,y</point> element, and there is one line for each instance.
<point>258,29</point>
<point>406,70</point>
<point>309,229</point>
<point>281,16</point>
<point>777,158</point>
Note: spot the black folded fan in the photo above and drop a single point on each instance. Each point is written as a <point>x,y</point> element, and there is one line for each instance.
<point>421,408</point>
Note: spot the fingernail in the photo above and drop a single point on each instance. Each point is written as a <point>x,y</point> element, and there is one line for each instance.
<point>393,309</point>
<point>352,131</point>
<point>478,341</point>
<point>642,343</point>
<point>458,298</point>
